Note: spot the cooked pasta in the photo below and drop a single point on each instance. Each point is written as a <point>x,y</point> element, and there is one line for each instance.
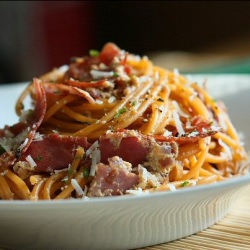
<point>112,123</point>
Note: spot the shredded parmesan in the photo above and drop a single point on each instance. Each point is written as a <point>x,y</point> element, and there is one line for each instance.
<point>96,157</point>
<point>63,69</point>
<point>60,170</point>
<point>111,99</point>
<point>226,148</point>
<point>178,123</point>
<point>167,133</point>
<point>92,147</point>
<point>222,121</point>
<point>139,191</point>
<point>216,128</point>
<point>179,110</point>
<point>24,144</point>
<point>30,160</point>
<point>99,102</point>
<point>193,134</point>
<point>96,74</point>
<point>38,137</point>
<point>77,187</point>
<point>172,187</point>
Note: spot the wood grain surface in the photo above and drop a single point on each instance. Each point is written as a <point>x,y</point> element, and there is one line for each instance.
<point>231,233</point>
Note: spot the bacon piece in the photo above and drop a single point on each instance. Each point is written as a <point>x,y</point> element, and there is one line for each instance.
<point>39,112</point>
<point>53,151</point>
<point>82,85</point>
<point>81,70</point>
<point>199,129</point>
<point>113,179</point>
<point>84,94</point>
<point>109,51</point>
<point>133,149</point>
<point>136,148</point>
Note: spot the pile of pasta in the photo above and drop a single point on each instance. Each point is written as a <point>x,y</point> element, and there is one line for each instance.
<point>112,123</point>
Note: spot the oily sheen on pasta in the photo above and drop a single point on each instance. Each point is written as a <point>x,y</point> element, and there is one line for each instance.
<point>112,123</point>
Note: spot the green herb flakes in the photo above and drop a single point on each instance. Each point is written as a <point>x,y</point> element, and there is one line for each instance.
<point>94,53</point>
<point>120,111</point>
<point>184,184</point>
<point>86,173</point>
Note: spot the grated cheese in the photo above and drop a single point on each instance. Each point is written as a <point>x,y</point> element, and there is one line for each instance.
<point>99,102</point>
<point>38,137</point>
<point>193,134</point>
<point>77,187</point>
<point>96,157</point>
<point>226,148</point>
<point>56,171</point>
<point>167,133</point>
<point>24,144</point>
<point>215,128</point>
<point>96,74</point>
<point>179,110</point>
<point>91,148</point>
<point>63,69</point>
<point>31,162</point>
<point>139,191</point>
<point>111,99</point>
<point>178,123</point>
<point>172,187</point>
<point>4,172</point>
<point>222,121</point>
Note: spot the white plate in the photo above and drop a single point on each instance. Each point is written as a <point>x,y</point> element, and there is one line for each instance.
<point>129,221</point>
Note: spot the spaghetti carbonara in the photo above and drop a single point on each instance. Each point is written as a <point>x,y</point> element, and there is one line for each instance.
<point>112,123</point>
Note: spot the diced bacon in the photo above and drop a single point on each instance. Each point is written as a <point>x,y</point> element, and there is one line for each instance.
<point>112,179</point>
<point>109,51</point>
<point>197,129</point>
<point>54,152</point>
<point>81,70</point>
<point>138,149</point>
<point>84,94</point>
<point>133,149</point>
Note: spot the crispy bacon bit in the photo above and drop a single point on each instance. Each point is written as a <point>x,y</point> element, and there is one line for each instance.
<point>138,149</point>
<point>112,179</point>
<point>84,94</point>
<point>197,129</point>
<point>83,85</point>
<point>109,51</point>
<point>39,112</point>
<point>131,148</point>
<point>53,152</point>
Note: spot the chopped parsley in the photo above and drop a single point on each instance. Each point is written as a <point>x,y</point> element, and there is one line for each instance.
<point>120,111</point>
<point>133,103</point>
<point>2,150</point>
<point>94,53</point>
<point>70,171</point>
<point>39,158</point>
<point>184,184</point>
<point>86,173</point>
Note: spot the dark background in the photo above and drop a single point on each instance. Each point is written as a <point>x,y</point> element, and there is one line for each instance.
<point>39,35</point>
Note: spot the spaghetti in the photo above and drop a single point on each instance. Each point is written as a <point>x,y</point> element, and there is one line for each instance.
<point>112,123</point>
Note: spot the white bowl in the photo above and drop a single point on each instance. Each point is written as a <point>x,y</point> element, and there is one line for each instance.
<point>126,222</point>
